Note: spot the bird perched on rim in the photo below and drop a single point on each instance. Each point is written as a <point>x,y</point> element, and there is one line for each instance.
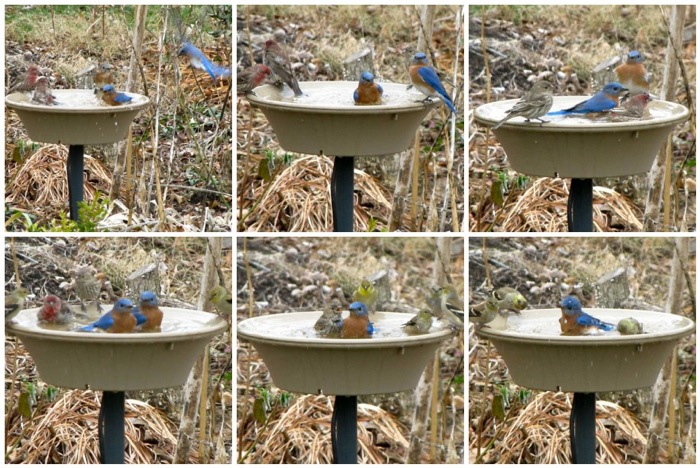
<point>277,59</point>
<point>366,293</point>
<point>634,106</point>
<point>28,81</point>
<point>251,78</point>
<point>630,326</point>
<point>115,320</point>
<point>221,299</point>
<point>14,303</point>
<point>433,298</point>
<point>53,311</point>
<point>114,98</point>
<point>419,324</point>
<point>426,80</point>
<point>509,299</point>
<point>368,92</point>
<point>575,321</point>
<point>88,286</point>
<point>148,307</point>
<point>632,74</point>
<point>357,324</point>
<point>533,105</point>
<point>42,92</point>
<point>485,312</point>
<point>331,321</point>
<point>199,61</point>
<point>452,305</point>
<point>103,75</point>
<point>602,101</point>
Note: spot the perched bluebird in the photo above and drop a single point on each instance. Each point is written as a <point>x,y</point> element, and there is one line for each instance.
<point>222,300</point>
<point>88,286</point>
<point>277,59</point>
<point>53,311</point>
<point>426,80</point>
<point>452,305</point>
<point>103,75</point>
<point>357,325</point>
<point>483,313</point>
<point>368,92</point>
<point>634,106</point>
<point>509,299</point>
<point>148,307</point>
<point>534,105</point>
<point>331,320</point>
<point>28,82</point>
<point>419,324</point>
<point>116,320</point>
<point>112,97</point>
<point>14,302</point>
<point>42,92</point>
<point>602,101</point>
<point>632,74</point>
<point>366,293</point>
<point>575,321</point>
<point>629,326</point>
<point>251,78</point>
<point>200,61</point>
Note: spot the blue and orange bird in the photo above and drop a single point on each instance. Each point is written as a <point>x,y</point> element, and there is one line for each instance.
<point>148,308</point>
<point>602,101</point>
<point>53,311</point>
<point>114,98</point>
<point>277,59</point>
<point>357,324</point>
<point>117,320</point>
<point>199,61</point>
<point>533,105</point>
<point>368,92</point>
<point>575,321</point>
<point>426,80</point>
<point>632,74</point>
<point>103,75</point>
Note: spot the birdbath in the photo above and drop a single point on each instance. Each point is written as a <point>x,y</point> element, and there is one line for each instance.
<point>582,148</point>
<point>326,121</point>
<point>116,363</point>
<point>538,357</point>
<point>299,361</point>
<point>79,119</point>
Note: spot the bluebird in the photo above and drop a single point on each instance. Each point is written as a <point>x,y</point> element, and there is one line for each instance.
<point>199,61</point>
<point>602,101</point>
<point>452,305</point>
<point>575,321</point>
<point>485,312</point>
<point>357,324</point>
<point>103,75</point>
<point>534,105</point>
<point>366,293</point>
<point>42,92</point>
<point>277,59</point>
<point>28,81</point>
<point>368,92</point>
<point>14,302</point>
<point>509,299</point>
<point>148,307</point>
<point>112,97</point>
<point>634,106</point>
<point>330,321</point>
<point>629,326</point>
<point>53,311</point>
<point>251,78</point>
<point>116,321</point>
<point>88,286</point>
<point>222,300</point>
<point>426,80</point>
<point>632,74</point>
<point>420,324</point>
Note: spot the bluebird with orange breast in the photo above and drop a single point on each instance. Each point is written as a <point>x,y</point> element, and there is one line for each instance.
<point>28,82</point>
<point>602,101</point>
<point>426,80</point>
<point>114,98</point>
<point>199,61</point>
<point>533,106</point>
<point>357,324</point>
<point>117,320</point>
<point>103,75</point>
<point>277,59</point>
<point>368,92</point>
<point>575,321</point>
<point>148,307</point>
<point>632,74</point>
<point>251,78</point>
<point>53,311</point>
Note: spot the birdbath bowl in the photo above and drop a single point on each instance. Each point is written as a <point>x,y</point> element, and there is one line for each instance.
<point>325,120</point>
<point>299,361</point>
<point>538,356</point>
<point>119,362</point>
<point>79,118</point>
<point>580,147</point>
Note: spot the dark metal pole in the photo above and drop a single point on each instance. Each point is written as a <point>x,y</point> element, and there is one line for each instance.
<point>344,430</point>
<point>582,428</point>
<point>75,178</point>
<point>342,187</point>
<point>111,428</point>
<point>580,206</point>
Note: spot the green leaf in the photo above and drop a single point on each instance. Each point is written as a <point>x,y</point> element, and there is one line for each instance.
<point>497,192</point>
<point>498,407</point>
<point>24,406</point>
<point>264,170</point>
<point>259,410</point>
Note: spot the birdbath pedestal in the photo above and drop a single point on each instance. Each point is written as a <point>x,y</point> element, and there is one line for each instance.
<point>326,121</point>
<point>538,357</point>
<point>582,148</point>
<point>298,361</point>
<point>116,363</point>
<point>79,119</point>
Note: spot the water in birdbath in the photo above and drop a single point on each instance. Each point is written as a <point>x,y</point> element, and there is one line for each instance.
<point>80,99</point>
<point>339,94</point>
